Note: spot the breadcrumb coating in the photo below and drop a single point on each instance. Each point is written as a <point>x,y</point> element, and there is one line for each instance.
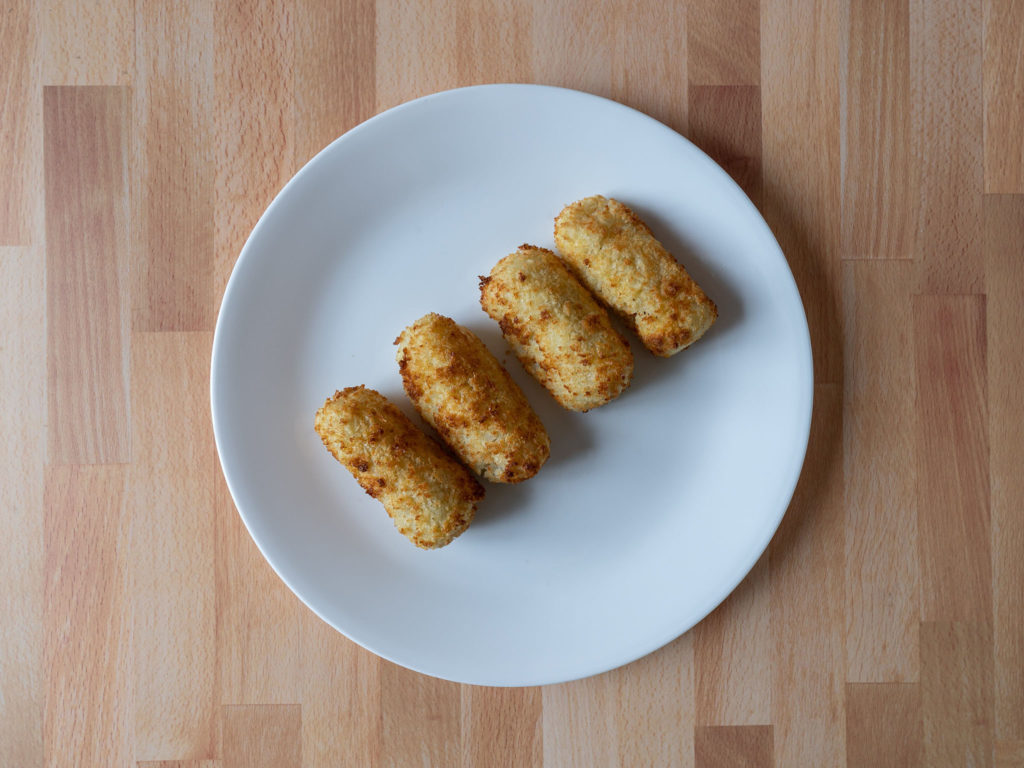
<point>462,391</point>
<point>615,255</point>
<point>430,497</point>
<point>562,336</point>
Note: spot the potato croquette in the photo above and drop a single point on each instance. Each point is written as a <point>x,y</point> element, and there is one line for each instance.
<point>462,391</point>
<point>562,336</point>
<point>615,255</point>
<point>430,497</point>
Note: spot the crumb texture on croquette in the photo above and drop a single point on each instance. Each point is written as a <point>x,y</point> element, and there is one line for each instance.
<point>430,497</point>
<point>462,390</point>
<point>562,336</point>
<point>617,257</point>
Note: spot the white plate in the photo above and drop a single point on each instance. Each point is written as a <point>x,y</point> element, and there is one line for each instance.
<point>650,510</point>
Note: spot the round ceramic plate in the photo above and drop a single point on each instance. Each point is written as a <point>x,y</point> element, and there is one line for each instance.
<point>650,510</point>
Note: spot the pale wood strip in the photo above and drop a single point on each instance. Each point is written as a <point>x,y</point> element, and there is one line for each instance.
<point>647,48</point>
<point>88,618</point>
<point>421,719</point>
<point>580,723</point>
<point>729,746</point>
<point>88,43</point>
<point>807,623</point>
<point>417,40</point>
<point>172,264</point>
<point>180,764</point>
<point>732,656</point>
<point>946,143</point>
<point>493,41</point>
<point>1004,275</point>
<point>800,109</point>
<point>655,707</point>
<point>1008,754</point>
<point>883,725</point>
<point>1004,95</point>
<point>501,727</point>
<point>259,648</point>
<point>953,525</point>
<point>570,49</point>
<point>86,135</point>
<point>253,120</point>
<point>877,195</point>
<point>172,550</point>
<point>956,693</point>
<point>263,736</point>
<point>724,42</point>
<point>335,63</point>
<point>20,130</point>
<point>883,584</point>
<point>22,456</point>
<point>342,720</point>
<point>725,121</point>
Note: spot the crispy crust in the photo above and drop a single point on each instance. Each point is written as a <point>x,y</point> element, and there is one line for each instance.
<point>430,497</point>
<point>461,390</point>
<point>617,257</point>
<point>562,336</point>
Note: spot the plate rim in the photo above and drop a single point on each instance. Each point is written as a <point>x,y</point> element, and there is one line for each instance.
<point>802,431</point>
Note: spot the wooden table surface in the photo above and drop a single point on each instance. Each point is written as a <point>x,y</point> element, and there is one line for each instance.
<point>884,143</point>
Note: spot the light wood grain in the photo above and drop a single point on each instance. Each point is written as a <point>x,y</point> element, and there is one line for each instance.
<point>87,43</point>
<point>1004,96</point>
<point>171,550</point>
<point>724,42</point>
<point>502,727</point>
<point>883,585</point>
<point>341,700</point>
<point>19,121</point>
<point>172,264</point>
<point>88,621</point>
<point>732,656</point>
<point>1004,276</point>
<point>946,143</point>
<point>883,725</point>
<point>263,736</point>
<point>86,136</point>
<point>22,548</point>
<point>952,456</point>
<point>876,135</point>
<point>141,140</point>
<point>956,693</point>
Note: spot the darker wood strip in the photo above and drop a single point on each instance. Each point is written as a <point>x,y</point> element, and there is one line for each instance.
<point>335,60</point>
<point>946,144</point>
<point>877,220</point>
<point>85,137</point>
<point>421,718</point>
<point>725,121</point>
<point>268,736</point>
<point>1004,96</point>
<point>501,727</point>
<point>952,449</point>
<point>724,42</point>
<point>732,745</point>
<point>172,264</point>
<point>956,693</point>
<point>1004,276</point>
<point>883,725</point>
<point>87,617</point>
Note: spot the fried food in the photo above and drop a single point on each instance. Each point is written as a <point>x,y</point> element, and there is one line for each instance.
<point>430,497</point>
<point>615,255</point>
<point>562,336</point>
<point>462,391</point>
